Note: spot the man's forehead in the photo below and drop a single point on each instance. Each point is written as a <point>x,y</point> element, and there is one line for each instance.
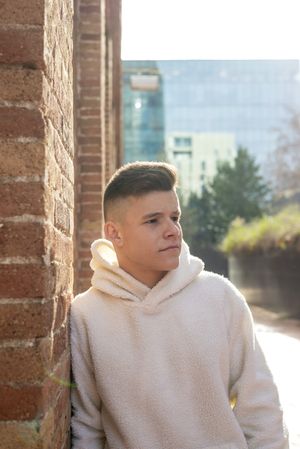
<point>154,202</point>
<point>150,202</point>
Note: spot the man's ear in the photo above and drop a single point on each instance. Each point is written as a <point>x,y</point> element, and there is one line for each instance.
<point>113,233</point>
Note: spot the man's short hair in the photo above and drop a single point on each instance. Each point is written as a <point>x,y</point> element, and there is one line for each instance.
<point>137,179</point>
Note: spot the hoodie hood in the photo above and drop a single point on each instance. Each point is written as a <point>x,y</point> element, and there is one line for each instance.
<point>109,278</point>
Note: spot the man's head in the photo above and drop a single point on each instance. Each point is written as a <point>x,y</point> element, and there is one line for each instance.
<point>137,179</point>
<point>142,211</point>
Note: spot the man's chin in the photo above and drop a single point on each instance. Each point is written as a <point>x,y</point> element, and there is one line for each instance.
<point>173,264</point>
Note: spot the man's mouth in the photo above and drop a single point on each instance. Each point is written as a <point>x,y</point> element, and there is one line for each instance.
<point>170,247</point>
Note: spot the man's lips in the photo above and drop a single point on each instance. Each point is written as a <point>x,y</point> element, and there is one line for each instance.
<point>170,247</point>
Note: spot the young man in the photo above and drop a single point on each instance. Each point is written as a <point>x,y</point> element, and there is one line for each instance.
<point>164,354</point>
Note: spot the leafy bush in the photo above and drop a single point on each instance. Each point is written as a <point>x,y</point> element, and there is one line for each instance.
<point>277,232</point>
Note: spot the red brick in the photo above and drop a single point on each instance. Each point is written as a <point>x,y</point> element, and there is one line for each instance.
<point>89,122</point>
<point>21,403</point>
<point>58,421</point>
<point>92,131</point>
<point>22,239</point>
<point>22,159</point>
<point>21,198</point>
<point>27,320</point>
<point>21,435</point>
<point>84,255</point>
<point>61,248</point>
<point>60,344</point>
<point>85,265</point>
<point>89,168</point>
<point>23,281</point>
<point>92,19</point>
<point>22,12</point>
<point>89,103</point>
<point>90,178</point>
<point>59,378</point>
<point>90,9</point>
<point>89,140</point>
<point>90,213</point>
<point>21,122</point>
<point>62,217</point>
<point>20,84</point>
<point>90,36</point>
<point>25,364</point>
<point>62,279</point>
<point>62,308</point>
<point>94,198</point>
<point>90,113</point>
<point>89,46</point>
<point>27,47</point>
<point>90,92</point>
<point>89,149</point>
<point>90,76</point>
<point>91,188</point>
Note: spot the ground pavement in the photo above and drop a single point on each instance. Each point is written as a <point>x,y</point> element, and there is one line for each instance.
<point>280,340</point>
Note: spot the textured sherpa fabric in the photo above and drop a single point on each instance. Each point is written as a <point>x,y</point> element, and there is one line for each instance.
<point>160,368</point>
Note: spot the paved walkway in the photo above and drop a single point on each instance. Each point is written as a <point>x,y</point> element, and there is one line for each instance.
<point>280,339</point>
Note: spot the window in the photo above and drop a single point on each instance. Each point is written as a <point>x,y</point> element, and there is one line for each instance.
<point>182,141</point>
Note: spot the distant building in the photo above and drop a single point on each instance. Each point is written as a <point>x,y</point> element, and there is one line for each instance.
<point>246,98</point>
<point>196,156</point>
<point>143,112</point>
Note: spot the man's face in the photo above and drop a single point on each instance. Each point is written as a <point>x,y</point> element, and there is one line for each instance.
<point>149,236</point>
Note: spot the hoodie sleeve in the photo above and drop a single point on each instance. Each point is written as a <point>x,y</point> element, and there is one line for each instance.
<point>252,387</point>
<point>87,429</point>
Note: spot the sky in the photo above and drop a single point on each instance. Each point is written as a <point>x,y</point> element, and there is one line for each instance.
<point>210,29</point>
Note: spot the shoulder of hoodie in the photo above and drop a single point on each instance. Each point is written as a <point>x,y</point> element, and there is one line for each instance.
<point>223,290</point>
<point>81,300</point>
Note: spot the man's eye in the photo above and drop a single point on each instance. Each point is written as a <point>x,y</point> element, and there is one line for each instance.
<point>175,218</point>
<point>153,220</point>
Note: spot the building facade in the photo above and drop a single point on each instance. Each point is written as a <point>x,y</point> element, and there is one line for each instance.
<point>196,156</point>
<point>143,112</point>
<point>247,98</point>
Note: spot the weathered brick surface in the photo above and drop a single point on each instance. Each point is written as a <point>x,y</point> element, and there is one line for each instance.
<point>23,280</point>
<point>27,47</point>
<point>36,208</point>
<point>22,239</point>
<point>37,197</point>
<point>21,122</point>
<point>22,12</point>
<point>22,198</point>
<point>21,403</point>
<point>25,364</point>
<point>23,435</point>
<point>19,84</point>
<point>26,320</point>
<point>22,159</point>
<point>94,34</point>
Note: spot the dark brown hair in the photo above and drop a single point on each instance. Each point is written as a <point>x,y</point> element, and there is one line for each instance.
<point>139,178</point>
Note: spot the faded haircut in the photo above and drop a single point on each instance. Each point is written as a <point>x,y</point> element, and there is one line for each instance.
<point>137,179</point>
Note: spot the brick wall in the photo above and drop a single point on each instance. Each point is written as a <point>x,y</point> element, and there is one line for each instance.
<point>36,221</point>
<point>97,119</point>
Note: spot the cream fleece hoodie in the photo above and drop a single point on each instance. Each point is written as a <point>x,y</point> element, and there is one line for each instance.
<point>156,368</point>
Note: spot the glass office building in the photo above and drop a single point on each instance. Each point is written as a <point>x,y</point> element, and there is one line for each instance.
<point>247,98</point>
<point>143,112</point>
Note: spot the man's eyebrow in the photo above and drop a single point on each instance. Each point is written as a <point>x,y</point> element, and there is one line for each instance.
<point>157,214</point>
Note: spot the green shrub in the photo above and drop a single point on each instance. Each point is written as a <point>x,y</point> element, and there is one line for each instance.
<point>277,232</point>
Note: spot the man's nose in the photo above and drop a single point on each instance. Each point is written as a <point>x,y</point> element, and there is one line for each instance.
<point>172,228</point>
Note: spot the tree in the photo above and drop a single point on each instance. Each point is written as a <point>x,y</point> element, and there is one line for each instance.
<point>237,190</point>
<point>285,164</point>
